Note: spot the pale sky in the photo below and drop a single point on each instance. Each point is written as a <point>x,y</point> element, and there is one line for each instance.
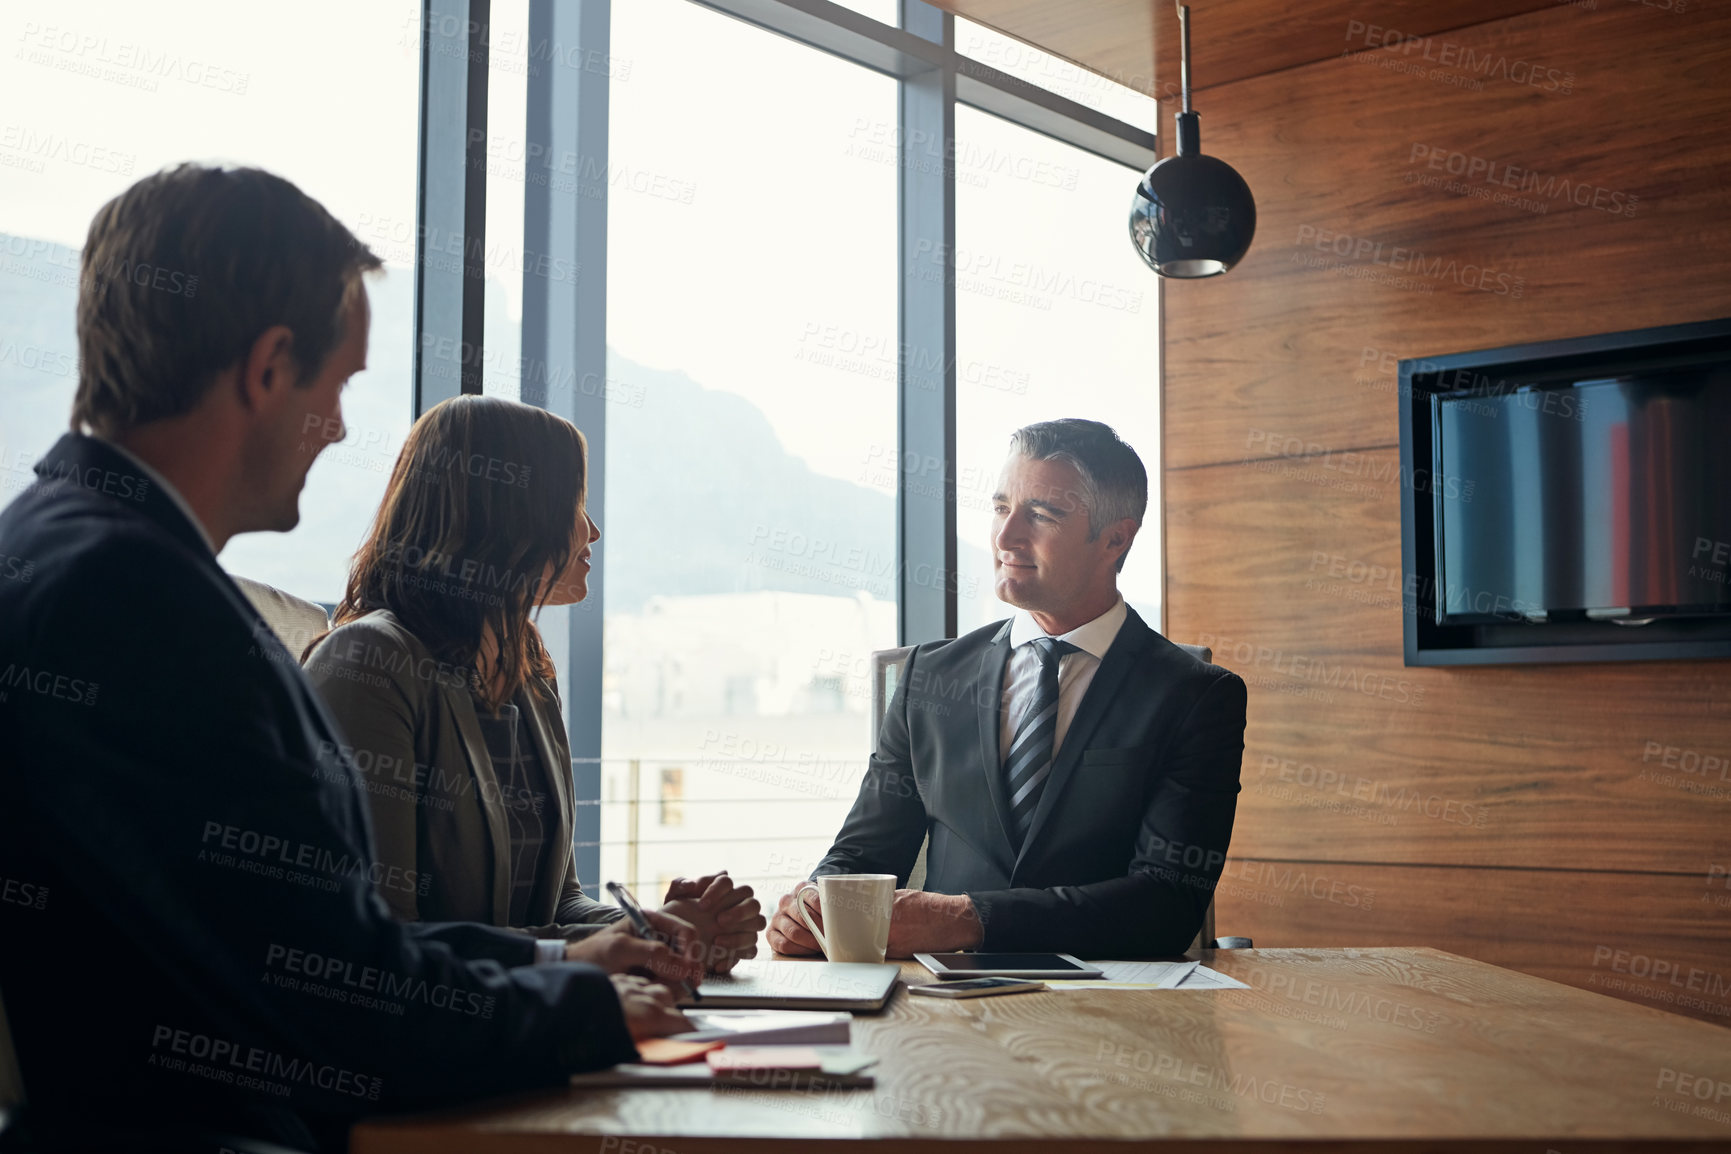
<point>752,214</point>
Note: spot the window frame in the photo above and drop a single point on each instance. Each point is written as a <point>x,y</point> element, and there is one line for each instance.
<point>565,319</point>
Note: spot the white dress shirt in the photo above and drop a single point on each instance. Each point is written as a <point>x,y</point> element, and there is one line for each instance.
<point>1075,670</point>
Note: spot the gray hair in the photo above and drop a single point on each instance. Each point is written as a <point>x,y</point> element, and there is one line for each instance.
<point>1114,481</point>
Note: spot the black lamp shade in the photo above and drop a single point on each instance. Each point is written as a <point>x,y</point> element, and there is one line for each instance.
<point>1193,216</point>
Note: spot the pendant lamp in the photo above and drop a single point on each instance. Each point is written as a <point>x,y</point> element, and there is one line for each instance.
<point>1193,215</point>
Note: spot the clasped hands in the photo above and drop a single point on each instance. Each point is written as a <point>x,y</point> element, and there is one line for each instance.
<point>710,924</point>
<point>920,923</point>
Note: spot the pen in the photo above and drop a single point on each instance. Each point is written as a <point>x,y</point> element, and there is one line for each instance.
<point>640,923</point>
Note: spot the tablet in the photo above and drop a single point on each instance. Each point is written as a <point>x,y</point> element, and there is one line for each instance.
<point>1052,967</point>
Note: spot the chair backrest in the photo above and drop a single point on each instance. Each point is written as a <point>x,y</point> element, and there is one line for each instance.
<point>11,1078</point>
<point>887,665</point>
<point>294,620</point>
<point>1205,935</point>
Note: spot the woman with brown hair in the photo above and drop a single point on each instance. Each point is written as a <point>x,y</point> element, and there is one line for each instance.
<point>439,679</point>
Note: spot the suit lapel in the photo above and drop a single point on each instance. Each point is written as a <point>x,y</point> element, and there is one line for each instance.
<point>488,798</point>
<point>988,706</point>
<point>556,827</point>
<point>1102,690</point>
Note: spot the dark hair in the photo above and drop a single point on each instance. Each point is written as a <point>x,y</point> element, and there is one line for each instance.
<point>1114,481</point>
<point>183,271</point>
<point>483,500</point>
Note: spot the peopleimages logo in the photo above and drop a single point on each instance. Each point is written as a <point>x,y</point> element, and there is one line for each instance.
<point>338,979</point>
<point>222,1060</point>
<point>1317,670</point>
<point>47,683</point>
<point>1019,281</point>
<point>268,855</point>
<point>1522,180</point>
<point>1402,798</point>
<point>43,146</point>
<point>20,893</point>
<point>1480,63</point>
<point>1401,259</point>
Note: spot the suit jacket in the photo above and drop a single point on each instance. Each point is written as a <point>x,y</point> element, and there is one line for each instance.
<point>205,940</point>
<point>436,802</point>
<point>1130,834</point>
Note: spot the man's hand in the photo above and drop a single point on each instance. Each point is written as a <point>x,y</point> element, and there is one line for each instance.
<point>618,950</point>
<point>924,923</point>
<point>788,935</point>
<point>726,918</point>
<point>648,1007</point>
<point>920,923</point>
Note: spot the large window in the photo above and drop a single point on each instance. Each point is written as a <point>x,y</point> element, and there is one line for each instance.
<point>96,95</point>
<point>749,535</point>
<point>1110,95</point>
<point>826,285</point>
<point>1053,319</point>
<point>790,286</point>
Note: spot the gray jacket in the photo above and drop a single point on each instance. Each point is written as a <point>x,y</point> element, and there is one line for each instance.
<point>435,800</point>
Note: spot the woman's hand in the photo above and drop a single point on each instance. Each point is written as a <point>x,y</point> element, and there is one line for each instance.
<point>648,1007</point>
<point>726,917</point>
<point>618,950</point>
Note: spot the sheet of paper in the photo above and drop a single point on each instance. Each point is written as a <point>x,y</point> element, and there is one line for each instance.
<point>1152,976</point>
<point>1160,975</point>
<point>1206,979</point>
<point>768,1027</point>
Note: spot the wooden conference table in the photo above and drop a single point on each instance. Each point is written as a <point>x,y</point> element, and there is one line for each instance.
<point>1378,1049</point>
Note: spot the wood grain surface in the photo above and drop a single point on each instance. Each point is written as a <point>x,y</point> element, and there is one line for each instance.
<point>1659,940</point>
<point>1292,574</point>
<point>1135,42</point>
<point>1373,1049</point>
<point>1291,343</point>
<point>1527,816</point>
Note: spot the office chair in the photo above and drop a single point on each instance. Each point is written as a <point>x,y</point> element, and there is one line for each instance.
<point>295,621</point>
<point>886,671</point>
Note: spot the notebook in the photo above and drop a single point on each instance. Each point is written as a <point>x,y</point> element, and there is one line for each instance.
<point>784,985</point>
<point>768,1027</point>
<point>839,1068</point>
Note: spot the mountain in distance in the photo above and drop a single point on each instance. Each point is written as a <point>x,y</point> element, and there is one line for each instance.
<point>701,495</point>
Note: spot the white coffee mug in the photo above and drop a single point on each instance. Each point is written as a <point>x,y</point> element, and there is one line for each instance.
<point>856,912</point>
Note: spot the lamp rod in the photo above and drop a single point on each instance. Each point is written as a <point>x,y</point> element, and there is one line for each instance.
<point>1184,60</point>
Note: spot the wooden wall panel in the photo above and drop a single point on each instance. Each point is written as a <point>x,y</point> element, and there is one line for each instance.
<point>1329,150</point>
<point>1352,756</point>
<point>1600,794</point>
<point>1642,937</point>
<point>1114,38</point>
<point>1135,42</point>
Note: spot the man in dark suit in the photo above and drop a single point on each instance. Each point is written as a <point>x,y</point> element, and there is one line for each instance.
<point>204,945</point>
<point>1075,772</point>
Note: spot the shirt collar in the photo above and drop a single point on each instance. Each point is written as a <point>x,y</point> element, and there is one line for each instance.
<point>1093,638</point>
<point>161,482</point>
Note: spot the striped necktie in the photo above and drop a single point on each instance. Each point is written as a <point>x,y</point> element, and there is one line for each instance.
<point>1030,758</point>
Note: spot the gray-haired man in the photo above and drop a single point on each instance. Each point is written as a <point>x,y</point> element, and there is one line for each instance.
<point>1076,773</point>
